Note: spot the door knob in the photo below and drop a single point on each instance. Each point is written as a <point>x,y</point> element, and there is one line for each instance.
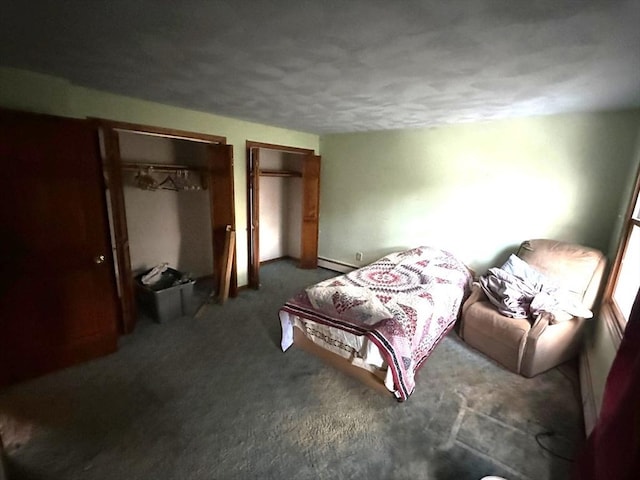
<point>99,259</point>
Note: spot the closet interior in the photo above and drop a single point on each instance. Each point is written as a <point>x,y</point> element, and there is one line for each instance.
<point>171,200</point>
<point>283,200</point>
<point>280,200</point>
<point>167,206</point>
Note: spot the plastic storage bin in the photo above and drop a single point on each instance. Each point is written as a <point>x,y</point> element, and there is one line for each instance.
<point>170,297</point>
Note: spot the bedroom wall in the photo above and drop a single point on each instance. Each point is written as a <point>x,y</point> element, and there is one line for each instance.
<point>30,91</point>
<point>476,189</point>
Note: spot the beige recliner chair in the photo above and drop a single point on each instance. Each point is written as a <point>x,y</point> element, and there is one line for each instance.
<point>531,347</point>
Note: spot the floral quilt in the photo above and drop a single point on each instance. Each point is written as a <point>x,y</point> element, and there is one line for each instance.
<point>405,303</point>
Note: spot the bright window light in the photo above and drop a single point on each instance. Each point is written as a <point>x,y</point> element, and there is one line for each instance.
<point>628,280</point>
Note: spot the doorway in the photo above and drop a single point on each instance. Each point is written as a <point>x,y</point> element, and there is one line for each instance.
<point>283,195</point>
<point>208,161</point>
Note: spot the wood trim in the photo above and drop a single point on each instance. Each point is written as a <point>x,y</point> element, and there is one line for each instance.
<point>310,212</point>
<point>624,236</point>
<point>113,165</point>
<point>281,148</point>
<point>159,131</point>
<point>229,248</point>
<point>608,316</point>
<point>222,209</point>
<point>253,219</point>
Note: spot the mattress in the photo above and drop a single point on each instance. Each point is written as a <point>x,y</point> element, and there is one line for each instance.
<point>386,317</point>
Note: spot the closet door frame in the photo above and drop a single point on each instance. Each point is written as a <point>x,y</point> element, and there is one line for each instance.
<point>222,201</point>
<point>309,240</point>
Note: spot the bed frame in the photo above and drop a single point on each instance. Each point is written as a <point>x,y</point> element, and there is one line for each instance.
<point>341,363</point>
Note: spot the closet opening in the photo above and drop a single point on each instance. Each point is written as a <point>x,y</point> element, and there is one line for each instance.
<point>171,201</point>
<point>283,185</point>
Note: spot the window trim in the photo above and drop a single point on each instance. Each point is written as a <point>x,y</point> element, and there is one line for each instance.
<point>610,310</point>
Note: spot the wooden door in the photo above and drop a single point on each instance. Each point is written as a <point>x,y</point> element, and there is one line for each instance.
<point>253,215</point>
<point>113,164</point>
<point>310,211</point>
<point>222,210</point>
<point>57,284</point>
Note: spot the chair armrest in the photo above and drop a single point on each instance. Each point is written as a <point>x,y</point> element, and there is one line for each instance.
<point>549,345</point>
<point>476,295</point>
<point>539,326</point>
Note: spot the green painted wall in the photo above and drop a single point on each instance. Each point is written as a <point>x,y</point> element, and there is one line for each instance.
<point>478,189</point>
<point>475,189</point>
<point>33,92</point>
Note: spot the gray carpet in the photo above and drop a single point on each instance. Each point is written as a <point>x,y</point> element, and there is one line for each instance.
<point>215,398</point>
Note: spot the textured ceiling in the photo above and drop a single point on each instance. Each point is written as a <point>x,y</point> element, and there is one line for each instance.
<point>339,66</point>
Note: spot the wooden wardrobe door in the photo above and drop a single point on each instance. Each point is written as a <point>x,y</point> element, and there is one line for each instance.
<point>120,231</point>
<point>57,287</point>
<point>310,211</point>
<point>253,215</point>
<point>222,209</point>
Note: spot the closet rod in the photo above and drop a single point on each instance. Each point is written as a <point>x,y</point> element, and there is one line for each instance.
<point>161,167</point>
<point>279,173</point>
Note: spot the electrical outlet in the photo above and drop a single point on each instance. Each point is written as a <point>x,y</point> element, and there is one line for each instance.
<point>359,256</point>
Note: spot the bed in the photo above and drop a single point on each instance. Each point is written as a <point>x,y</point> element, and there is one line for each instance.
<point>382,321</point>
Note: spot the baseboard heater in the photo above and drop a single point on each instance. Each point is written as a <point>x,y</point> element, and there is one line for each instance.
<point>336,265</point>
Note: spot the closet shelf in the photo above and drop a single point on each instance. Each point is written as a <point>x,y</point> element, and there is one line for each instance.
<point>279,173</point>
<point>177,176</point>
<point>162,167</point>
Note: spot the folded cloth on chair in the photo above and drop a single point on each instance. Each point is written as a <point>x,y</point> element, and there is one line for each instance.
<point>519,291</point>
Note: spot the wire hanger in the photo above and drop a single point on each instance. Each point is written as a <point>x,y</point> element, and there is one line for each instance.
<point>170,182</point>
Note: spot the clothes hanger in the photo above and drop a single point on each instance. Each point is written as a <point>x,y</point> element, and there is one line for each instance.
<point>170,182</point>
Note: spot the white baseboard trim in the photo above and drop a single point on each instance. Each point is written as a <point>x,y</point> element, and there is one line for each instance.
<point>335,265</point>
<point>596,362</point>
<point>589,408</point>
